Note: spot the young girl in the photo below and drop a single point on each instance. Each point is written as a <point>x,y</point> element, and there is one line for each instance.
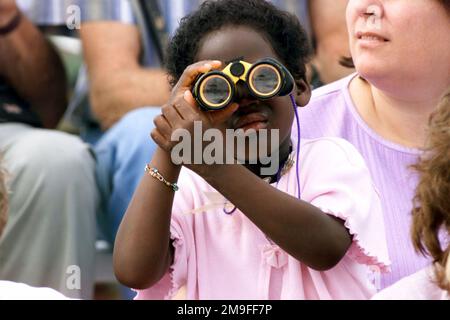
<point>431,215</point>
<point>227,233</point>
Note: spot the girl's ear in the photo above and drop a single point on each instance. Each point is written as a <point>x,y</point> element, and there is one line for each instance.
<point>302,92</point>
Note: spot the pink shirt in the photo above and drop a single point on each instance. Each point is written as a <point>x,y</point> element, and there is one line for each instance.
<point>220,256</point>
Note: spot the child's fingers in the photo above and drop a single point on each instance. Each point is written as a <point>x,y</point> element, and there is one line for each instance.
<point>171,114</point>
<point>163,126</point>
<point>160,140</point>
<point>220,116</point>
<point>187,107</point>
<point>189,98</point>
<point>191,72</point>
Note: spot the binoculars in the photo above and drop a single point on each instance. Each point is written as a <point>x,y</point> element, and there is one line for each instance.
<point>264,79</point>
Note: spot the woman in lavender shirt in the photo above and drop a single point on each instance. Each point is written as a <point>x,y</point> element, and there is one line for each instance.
<point>401,51</point>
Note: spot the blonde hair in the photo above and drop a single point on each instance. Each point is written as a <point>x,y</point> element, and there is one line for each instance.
<point>3,198</point>
<point>431,210</point>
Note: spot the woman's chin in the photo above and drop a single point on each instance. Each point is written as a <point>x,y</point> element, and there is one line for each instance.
<point>373,72</point>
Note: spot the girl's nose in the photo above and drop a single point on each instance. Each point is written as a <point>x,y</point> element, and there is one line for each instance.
<point>242,93</point>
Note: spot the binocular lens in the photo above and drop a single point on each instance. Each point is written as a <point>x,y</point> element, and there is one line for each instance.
<point>215,91</point>
<point>265,80</point>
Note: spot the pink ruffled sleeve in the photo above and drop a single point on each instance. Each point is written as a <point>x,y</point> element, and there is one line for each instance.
<point>181,236</point>
<point>337,181</point>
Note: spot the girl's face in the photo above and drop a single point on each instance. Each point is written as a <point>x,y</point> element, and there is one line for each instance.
<point>407,41</point>
<point>245,43</point>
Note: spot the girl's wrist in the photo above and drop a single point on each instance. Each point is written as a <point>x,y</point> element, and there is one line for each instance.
<point>162,161</point>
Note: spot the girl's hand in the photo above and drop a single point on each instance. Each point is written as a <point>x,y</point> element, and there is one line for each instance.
<point>182,111</point>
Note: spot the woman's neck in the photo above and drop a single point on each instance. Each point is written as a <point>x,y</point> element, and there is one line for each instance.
<point>397,119</point>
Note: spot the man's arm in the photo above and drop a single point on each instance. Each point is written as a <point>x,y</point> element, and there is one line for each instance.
<point>118,83</point>
<point>32,67</point>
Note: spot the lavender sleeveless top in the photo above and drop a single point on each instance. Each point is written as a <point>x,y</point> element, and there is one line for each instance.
<point>332,113</point>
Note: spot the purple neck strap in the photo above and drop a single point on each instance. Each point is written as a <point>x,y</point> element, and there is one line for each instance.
<point>297,164</point>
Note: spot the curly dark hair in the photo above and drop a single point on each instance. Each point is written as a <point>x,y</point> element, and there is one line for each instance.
<point>282,29</point>
<point>431,203</point>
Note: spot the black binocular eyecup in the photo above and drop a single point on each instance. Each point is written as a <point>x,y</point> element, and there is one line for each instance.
<point>287,79</point>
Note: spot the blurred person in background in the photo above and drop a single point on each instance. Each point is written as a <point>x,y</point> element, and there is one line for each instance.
<point>11,290</point>
<point>329,40</point>
<point>53,197</point>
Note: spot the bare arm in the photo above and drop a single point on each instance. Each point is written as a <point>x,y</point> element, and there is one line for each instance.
<point>32,67</point>
<point>118,83</point>
<point>141,251</point>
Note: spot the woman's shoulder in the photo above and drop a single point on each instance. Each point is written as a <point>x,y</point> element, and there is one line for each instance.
<point>418,286</point>
<point>327,109</point>
<point>334,89</point>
